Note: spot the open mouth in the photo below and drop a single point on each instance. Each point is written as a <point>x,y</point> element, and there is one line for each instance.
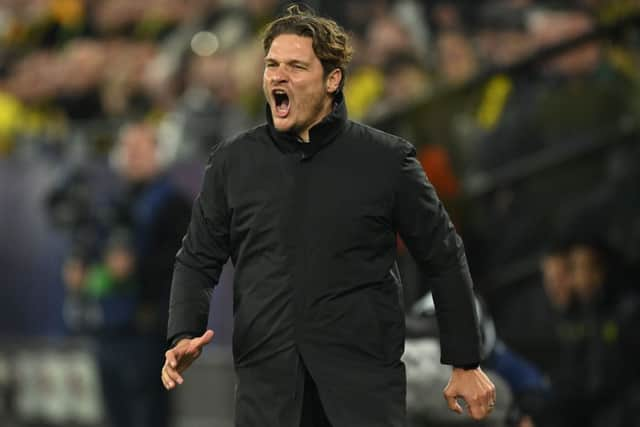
<point>281,100</point>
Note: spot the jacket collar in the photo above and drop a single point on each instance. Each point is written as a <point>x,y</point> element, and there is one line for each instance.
<point>320,135</point>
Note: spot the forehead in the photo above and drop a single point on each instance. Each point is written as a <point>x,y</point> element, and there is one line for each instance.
<point>292,46</point>
<point>136,135</point>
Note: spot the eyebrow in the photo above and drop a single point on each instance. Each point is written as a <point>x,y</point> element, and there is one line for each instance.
<point>290,62</point>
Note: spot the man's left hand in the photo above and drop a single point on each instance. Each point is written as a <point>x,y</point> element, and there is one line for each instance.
<point>475,388</point>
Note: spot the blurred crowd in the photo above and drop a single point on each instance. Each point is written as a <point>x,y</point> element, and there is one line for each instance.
<point>595,317</point>
<point>526,118</point>
<point>195,65</point>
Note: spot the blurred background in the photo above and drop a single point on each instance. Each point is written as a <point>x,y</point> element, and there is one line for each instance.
<point>526,117</point>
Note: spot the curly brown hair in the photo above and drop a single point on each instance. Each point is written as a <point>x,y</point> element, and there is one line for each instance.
<point>331,43</point>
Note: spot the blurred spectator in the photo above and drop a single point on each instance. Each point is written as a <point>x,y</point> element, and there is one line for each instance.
<point>596,379</point>
<point>456,57</point>
<point>502,37</point>
<point>446,16</point>
<point>565,96</point>
<point>556,277</point>
<point>355,15</point>
<point>86,61</point>
<point>157,214</point>
<point>549,27</point>
<point>404,81</point>
<point>565,103</point>
<point>121,300</point>
<point>385,37</point>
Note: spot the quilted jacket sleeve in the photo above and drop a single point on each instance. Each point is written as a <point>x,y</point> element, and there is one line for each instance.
<point>425,227</point>
<point>204,251</point>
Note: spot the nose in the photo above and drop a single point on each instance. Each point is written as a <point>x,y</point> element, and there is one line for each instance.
<point>278,75</point>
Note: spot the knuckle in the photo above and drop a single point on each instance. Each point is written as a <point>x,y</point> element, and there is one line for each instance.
<point>476,417</point>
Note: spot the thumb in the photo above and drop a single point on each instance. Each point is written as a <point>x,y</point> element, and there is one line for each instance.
<point>204,339</point>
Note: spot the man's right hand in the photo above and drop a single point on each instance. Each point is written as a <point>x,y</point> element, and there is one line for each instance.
<point>180,357</point>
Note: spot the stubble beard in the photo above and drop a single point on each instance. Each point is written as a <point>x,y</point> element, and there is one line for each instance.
<point>317,113</point>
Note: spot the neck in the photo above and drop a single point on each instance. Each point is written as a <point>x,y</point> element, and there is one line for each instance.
<point>324,112</point>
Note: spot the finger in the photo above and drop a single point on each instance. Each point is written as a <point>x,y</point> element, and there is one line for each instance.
<point>168,383</point>
<point>478,411</point>
<point>491,388</point>
<point>453,404</point>
<point>185,363</point>
<point>175,360</point>
<point>478,408</point>
<point>487,390</point>
<point>173,375</point>
<point>164,383</point>
<point>494,395</point>
<point>491,392</point>
<point>193,351</point>
<point>171,357</point>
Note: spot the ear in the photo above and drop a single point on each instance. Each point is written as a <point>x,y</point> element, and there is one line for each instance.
<point>333,80</point>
